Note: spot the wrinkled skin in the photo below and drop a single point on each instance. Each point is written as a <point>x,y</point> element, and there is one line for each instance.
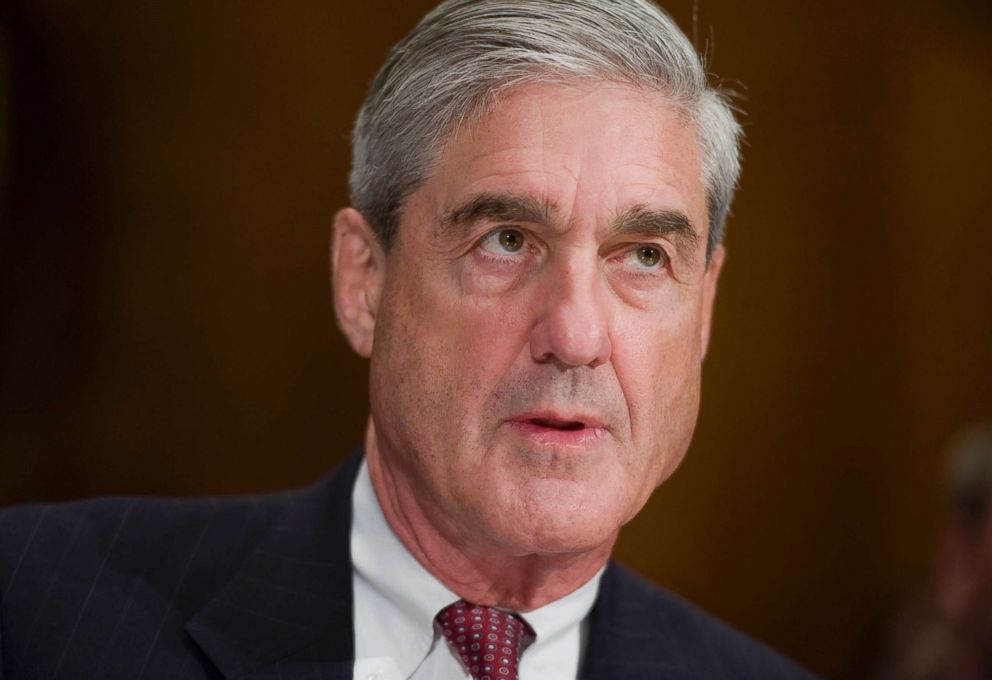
<point>535,370</point>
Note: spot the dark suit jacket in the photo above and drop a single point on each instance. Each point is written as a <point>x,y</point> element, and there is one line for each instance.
<point>260,587</point>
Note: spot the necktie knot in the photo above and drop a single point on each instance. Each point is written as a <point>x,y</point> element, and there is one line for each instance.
<point>487,640</point>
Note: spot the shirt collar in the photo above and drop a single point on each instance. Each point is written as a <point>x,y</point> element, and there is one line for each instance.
<point>557,618</point>
<point>409,596</point>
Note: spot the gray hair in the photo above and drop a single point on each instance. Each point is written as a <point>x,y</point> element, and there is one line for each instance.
<point>465,53</point>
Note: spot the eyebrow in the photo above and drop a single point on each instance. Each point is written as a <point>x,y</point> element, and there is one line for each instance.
<point>641,220</point>
<point>498,208</point>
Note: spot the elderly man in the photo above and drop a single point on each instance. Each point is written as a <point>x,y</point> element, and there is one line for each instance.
<point>540,189</point>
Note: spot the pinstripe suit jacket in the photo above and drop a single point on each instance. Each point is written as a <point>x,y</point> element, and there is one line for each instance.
<point>260,587</point>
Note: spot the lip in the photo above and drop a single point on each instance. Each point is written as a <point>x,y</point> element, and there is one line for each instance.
<point>559,428</point>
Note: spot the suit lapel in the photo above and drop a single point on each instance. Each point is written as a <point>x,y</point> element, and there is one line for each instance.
<point>624,635</point>
<point>287,611</point>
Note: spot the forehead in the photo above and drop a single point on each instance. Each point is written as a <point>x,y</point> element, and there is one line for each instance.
<point>592,150</point>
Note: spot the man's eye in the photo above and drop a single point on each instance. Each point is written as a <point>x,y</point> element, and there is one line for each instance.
<point>503,241</point>
<point>649,257</point>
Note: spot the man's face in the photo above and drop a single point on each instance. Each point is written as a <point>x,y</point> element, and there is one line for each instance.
<point>543,317</point>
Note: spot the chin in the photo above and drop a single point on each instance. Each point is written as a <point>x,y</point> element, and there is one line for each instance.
<point>556,516</point>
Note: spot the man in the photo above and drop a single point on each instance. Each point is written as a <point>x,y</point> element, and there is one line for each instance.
<point>946,633</point>
<point>540,189</point>
<point>964,556</point>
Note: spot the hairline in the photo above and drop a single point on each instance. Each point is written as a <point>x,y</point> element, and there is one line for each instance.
<point>485,105</point>
<point>432,84</point>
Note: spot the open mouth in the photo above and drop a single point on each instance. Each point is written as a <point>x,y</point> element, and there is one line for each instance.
<point>565,425</point>
<point>559,430</point>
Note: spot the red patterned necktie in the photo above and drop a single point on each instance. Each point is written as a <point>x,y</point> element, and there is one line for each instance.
<point>488,640</point>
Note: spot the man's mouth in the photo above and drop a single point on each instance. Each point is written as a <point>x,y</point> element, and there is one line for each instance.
<point>559,429</point>
<point>558,424</point>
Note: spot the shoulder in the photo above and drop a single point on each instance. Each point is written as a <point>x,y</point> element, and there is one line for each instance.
<point>110,587</point>
<point>126,535</point>
<point>690,638</point>
<point>114,568</point>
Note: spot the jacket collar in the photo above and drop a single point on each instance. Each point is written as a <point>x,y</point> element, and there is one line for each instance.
<point>626,637</point>
<point>290,603</point>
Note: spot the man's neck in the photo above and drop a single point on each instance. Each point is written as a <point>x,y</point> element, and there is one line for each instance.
<point>478,570</point>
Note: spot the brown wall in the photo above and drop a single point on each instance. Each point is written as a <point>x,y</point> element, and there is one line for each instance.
<point>165,324</point>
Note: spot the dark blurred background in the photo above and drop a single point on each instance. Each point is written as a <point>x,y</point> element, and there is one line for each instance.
<point>169,174</point>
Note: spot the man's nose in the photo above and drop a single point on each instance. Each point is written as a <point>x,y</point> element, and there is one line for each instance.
<point>572,326</point>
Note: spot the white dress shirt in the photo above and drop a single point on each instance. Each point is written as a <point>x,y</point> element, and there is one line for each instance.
<point>396,600</point>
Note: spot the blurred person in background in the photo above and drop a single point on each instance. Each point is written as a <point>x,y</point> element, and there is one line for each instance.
<point>964,558</point>
<point>947,635</point>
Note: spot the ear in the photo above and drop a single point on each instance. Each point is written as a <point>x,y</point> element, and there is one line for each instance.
<point>709,294</point>
<point>358,270</point>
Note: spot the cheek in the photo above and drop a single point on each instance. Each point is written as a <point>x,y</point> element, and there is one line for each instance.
<point>658,363</point>
<point>442,351</point>
<point>488,315</point>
